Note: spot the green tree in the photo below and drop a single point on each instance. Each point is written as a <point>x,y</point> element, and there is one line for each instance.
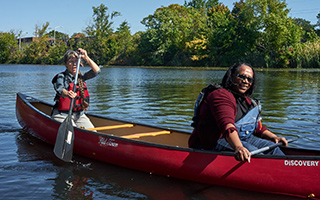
<point>55,53</point>
<point>41,30</point>
<point>102,24</point>
<point>201,4</point>
<point>304,24</point>
<point>77,40</point>
<point>58,35</point>
<point>168,30</point>
<point>221,33</point>
<point>278,31</point>
<point>36,52</point>
<point>101,44</point>
<point>256,31</point>
<point>317,25</point>
<point>125,43</point>
<point>8,44</point>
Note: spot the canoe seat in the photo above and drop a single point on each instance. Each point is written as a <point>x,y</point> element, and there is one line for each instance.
<point>138,135</point>
<point>111,127</point>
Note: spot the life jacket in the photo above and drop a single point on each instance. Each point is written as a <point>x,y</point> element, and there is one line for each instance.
<point>203,94</point>
<point>245,126</point>
<point>64,103</point>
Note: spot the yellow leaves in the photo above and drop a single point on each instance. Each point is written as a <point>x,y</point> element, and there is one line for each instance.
<point>197,57</point>
<point>220,8</point>
<point>197,47</point>
<point>197,44</point>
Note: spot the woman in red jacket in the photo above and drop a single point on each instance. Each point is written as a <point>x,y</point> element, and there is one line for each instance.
<point>230,120</point>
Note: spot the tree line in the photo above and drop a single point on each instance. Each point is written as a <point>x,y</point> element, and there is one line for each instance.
<point>198,33</point>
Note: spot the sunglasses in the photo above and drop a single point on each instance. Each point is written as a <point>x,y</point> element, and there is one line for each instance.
<point>244,77</point>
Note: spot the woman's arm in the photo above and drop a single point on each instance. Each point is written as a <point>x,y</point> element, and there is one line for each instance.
<point>223,107</point>
<point>90,62</point>
<point>240,152</point>
<point>271,136</point>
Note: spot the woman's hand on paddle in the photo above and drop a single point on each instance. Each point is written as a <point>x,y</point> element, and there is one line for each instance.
<point>72,95</point>
<point>84,54</point>
<point>89,61</point>
<point>280,139</point>
<point>67,93</point>
<point>242,154</point>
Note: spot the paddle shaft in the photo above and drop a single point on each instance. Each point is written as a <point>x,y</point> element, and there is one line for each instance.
<point>75,84</point>
<point>63,147</point>
<point>269,147</point>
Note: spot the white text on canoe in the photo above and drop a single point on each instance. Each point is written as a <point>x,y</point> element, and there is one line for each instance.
<point>108,142</point>
<point>301,163</point>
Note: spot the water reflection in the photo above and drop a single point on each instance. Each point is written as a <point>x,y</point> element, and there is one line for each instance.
<point>70,186</point>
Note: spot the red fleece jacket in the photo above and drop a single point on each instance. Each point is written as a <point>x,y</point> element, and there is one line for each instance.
<point>216,111</point>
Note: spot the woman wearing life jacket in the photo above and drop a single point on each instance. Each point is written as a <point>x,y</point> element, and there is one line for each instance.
<point>228,119</point>
<point>63,85</point>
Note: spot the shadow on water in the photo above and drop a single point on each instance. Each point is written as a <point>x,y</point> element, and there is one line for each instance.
<point>88,179</point>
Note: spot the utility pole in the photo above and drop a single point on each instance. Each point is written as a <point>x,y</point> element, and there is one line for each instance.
<point>54,34</point>
<point>20,35</point>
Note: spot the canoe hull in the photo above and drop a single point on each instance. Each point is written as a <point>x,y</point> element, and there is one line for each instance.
<point>290,175</point>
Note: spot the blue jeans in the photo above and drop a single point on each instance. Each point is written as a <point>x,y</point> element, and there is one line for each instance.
<point>252,143</point>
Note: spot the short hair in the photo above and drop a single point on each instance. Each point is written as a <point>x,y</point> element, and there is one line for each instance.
<point>233,70</point>
<point>68,55</point>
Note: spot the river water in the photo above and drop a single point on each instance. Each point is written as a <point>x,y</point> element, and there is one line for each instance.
<point>158,96</point>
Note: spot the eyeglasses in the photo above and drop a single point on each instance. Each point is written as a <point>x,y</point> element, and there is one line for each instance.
<point>244,77</point>
<point>73,61</point>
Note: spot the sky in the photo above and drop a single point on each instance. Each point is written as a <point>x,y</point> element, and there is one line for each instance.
<point>73,16</point>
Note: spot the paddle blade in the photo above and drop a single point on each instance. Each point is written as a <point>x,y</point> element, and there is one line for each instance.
<point>63,147</point>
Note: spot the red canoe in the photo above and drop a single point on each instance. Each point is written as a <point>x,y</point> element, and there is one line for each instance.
<point>165,152</point>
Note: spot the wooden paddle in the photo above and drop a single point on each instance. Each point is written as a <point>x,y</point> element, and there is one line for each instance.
<point>269,147</point>
<point>63,147</point>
